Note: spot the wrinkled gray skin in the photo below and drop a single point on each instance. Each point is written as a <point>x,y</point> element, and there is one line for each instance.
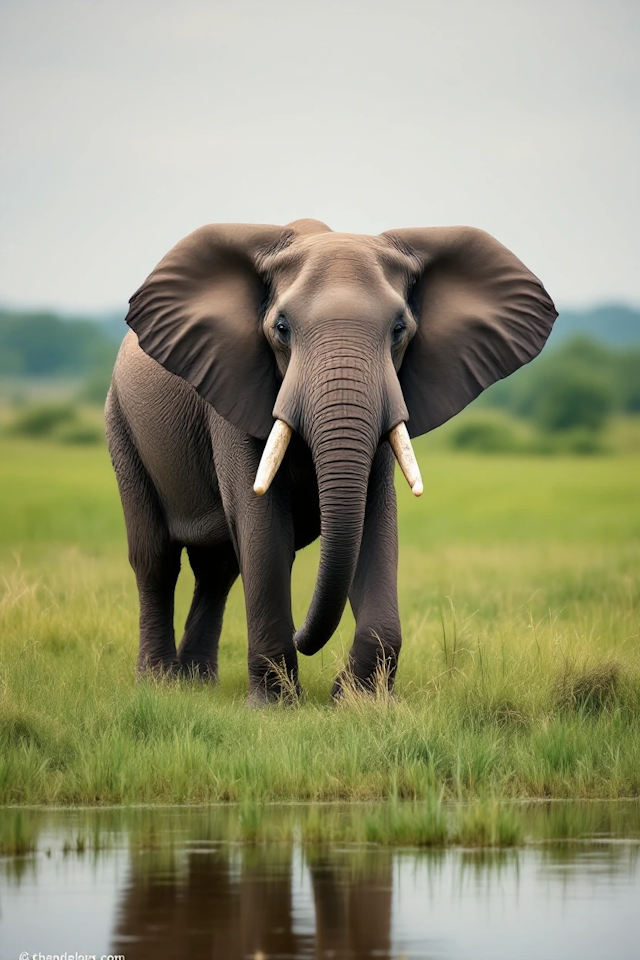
<point>194,394</point>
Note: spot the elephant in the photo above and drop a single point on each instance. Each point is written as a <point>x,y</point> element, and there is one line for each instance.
<point>269,377</point>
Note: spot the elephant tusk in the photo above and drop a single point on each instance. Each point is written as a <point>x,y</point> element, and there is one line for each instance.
<point>401,446</point>
<point>274,451</point>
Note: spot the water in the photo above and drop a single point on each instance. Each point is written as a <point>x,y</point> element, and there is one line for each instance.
<point>169,883</point>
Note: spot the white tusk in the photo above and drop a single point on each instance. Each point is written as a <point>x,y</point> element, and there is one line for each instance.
<point>274,451</point>
<point>401,446</point>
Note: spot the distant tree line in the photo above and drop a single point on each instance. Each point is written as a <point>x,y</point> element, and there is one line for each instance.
<point>46,345</point>
<point>612,323</point>
<point>578,384</point>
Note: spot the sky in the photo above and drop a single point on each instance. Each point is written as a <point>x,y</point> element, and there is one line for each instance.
<point>126,124</point>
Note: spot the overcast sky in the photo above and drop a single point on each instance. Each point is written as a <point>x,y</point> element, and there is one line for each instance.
<point>128,123</point>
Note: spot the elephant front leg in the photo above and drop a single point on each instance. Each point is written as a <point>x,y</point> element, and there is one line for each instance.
<point>266,547</point>
<point>373,658</point>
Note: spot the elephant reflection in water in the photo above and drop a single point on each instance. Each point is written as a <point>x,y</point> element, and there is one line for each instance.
<point>353,910</point>
<point>213,906</point>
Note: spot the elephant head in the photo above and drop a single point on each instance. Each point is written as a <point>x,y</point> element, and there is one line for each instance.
<point>344,339</point>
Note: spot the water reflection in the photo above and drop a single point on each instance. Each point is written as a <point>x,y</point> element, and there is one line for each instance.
<point>166,884</point>
<point>243,903</point>
<point>211,903</point>
<point>353,904</point>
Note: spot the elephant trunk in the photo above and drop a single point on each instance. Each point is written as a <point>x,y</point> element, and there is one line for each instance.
<point>343,449</point>
<point>342,399</point>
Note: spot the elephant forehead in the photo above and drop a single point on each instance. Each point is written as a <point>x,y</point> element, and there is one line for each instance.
<point>328,255</point>
<point>342,265</point>
<point>344,251</point>
<point>336,269</point>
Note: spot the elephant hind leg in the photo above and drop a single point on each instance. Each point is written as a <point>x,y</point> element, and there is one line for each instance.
<point>155,559</point>
<point>215,570</point>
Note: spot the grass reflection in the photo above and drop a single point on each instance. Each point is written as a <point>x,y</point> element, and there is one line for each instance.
<point>483,824</point>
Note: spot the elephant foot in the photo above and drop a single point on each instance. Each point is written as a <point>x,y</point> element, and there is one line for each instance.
<point>377,686</point>
<point>273,681</point>
<point>277,687</point>
<point>261,697</point>
<point>205,671</point>
<point>370,669</point>
<point>150,669</point>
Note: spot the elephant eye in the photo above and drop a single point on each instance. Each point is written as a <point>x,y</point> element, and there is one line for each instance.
<point>282,330</point>
<point>399,328</point>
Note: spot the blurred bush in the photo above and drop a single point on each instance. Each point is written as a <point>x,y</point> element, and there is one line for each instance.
<point>568,395</point>
<point>571,397</point>
<point>501,434</point>
<point>80,433</point>
<point>615,373</point>
<point>54,421</point>
<point>485,436</point>
<point>42,420</point>
<point>581,441</point>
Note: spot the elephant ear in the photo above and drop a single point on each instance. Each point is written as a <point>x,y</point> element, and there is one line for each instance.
<point>481,314</point>
<point>199,315</point>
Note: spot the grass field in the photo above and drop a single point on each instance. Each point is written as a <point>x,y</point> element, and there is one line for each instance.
<point>520,674</point>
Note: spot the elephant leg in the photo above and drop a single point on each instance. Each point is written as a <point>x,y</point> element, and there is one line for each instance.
<point>215,570</point>
<point>374,591</point>
<point>266,549</point>
<point>155,559</point>
<point>156,589</point>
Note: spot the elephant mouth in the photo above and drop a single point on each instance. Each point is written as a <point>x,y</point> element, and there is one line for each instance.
<point>278,441</point>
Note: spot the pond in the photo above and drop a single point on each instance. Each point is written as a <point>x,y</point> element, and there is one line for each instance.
<point>182,882</point>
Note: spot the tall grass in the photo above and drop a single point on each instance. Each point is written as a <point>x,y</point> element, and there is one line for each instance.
<point>519,676</point>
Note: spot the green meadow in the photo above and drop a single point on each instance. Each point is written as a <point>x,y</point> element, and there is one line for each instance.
<point>519,676</point>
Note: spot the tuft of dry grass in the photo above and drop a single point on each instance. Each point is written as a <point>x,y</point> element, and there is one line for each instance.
<point>589,690</point>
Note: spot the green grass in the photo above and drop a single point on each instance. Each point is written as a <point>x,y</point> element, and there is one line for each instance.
<point>520,674</point>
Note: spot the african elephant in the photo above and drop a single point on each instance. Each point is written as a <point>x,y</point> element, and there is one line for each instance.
<point>327,344</point>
